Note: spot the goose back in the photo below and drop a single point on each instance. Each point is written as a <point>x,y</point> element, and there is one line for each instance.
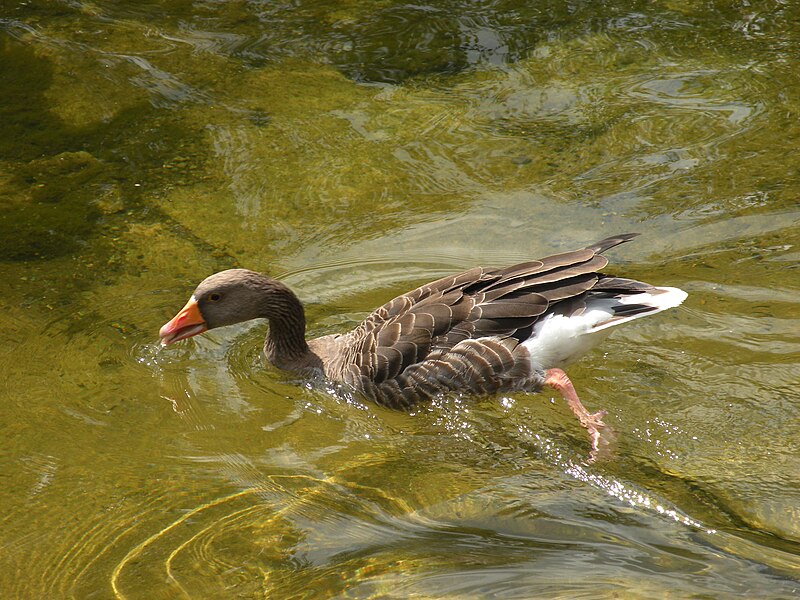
<point>465,332</point>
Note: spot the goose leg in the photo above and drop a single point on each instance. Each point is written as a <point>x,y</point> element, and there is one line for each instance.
<point>593,422</point>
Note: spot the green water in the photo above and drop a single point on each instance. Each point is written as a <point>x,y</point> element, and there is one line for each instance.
<point>357,149</point>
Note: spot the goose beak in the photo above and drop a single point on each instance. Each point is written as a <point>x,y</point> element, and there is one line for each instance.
<point>187,323</point>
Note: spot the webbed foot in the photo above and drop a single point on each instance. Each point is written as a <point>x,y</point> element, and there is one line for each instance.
<point>600,434</point>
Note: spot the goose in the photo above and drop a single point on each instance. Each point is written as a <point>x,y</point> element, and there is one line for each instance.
<point>481,332</point>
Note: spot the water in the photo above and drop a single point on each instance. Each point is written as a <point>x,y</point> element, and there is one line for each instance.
<point>356,151</point>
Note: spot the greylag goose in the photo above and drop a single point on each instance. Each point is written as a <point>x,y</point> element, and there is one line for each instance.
<point>482,331</point>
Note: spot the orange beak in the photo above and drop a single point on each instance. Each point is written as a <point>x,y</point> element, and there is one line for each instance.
<point>187,323</point>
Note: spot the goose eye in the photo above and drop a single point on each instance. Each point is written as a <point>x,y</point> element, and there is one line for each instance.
<point>215,297</point>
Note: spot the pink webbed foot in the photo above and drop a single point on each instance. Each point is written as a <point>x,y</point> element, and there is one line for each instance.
<point>599,432</point>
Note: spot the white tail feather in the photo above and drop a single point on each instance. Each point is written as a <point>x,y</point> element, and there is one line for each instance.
<point>558,340</point>
<point>662,299</point>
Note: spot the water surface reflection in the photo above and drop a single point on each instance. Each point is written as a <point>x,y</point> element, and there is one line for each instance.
<point>357,151</point>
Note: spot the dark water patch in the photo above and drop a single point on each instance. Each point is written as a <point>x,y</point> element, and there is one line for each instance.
<point>27,128</point>
<point>63,183</point>
<point>47,209</point>
<point>404,42</point>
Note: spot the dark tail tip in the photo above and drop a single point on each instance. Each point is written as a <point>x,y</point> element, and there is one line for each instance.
<point>610,242</point>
